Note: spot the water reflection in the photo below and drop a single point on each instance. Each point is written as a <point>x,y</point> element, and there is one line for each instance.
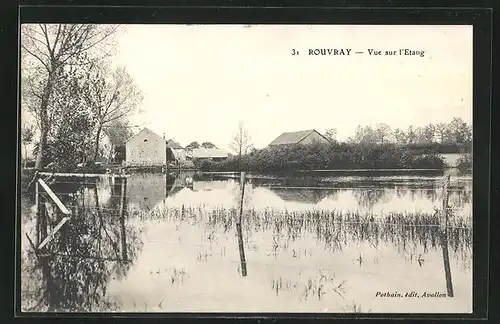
<point>72,272</point>
<point>368,198</point>
<point>303,195</point>
<point>375,194</point>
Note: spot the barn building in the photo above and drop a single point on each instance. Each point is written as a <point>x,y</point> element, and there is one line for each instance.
<point>146,148</point>
<point>212,154</point>
<point>300,137</point>
<point>175,152</point>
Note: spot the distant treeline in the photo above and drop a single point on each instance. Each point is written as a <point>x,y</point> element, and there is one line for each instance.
<point>334,156</point>
<point>456,132</point>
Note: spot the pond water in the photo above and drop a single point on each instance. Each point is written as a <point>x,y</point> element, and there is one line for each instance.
<point>313,242</point>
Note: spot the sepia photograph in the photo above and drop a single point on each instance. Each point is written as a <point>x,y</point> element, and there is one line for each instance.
<point>232,168</point>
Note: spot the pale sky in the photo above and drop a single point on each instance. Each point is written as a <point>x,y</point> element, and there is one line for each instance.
<point>199,81</point>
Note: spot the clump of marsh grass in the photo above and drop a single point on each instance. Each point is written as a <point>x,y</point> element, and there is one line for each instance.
<point>178,276</point>
<point>315,286</point>
<point>174,274</point>
<point>203,256</point>
<point>321,284</point>
<point>281,284</point>
<point>354,308</point>
<point>335,228</point>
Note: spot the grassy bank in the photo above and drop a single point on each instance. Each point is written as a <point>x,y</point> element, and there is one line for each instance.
<point>330,156</point>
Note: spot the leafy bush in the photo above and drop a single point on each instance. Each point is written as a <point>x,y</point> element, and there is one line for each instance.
<point>329,156</point>
<point>428,161</point>
<point>464,162</point>
<point>186,164</point>
<point>204,164</point>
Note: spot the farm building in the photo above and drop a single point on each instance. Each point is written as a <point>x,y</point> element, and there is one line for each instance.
<point>212,154</point>
<point>146,148</point>
<point>175,152</point>
<point>300,137</point>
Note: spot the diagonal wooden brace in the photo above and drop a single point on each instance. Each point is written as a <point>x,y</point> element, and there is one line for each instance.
<point>52,233</point>
<point>54,197</point>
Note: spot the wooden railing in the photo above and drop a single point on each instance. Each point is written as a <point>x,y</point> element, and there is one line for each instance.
<point>43,236</point>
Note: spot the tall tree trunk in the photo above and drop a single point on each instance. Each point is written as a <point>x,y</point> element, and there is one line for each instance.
<point>25,154</point>
<point>49,293</point>
<point>111,154</point>
<point>96,152</point>
<point>44,123</point>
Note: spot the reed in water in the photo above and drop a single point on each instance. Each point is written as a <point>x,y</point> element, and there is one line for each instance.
<point>333,227</point>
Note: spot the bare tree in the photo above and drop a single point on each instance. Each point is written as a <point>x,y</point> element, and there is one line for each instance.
<point>400,136</point>
<point>383,131</point>
<point>331,134</point>
<point>459,132</point>
<point>442,130</point>
<point>428,133</point>
<point>47,51</point>
<point>241,142</point>
<point>411,135</point>
<point>420,135</point>
<point>112,95</point>
<point>365,135</point>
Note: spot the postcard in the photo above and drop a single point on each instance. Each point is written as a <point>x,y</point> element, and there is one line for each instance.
<point>191,168</point>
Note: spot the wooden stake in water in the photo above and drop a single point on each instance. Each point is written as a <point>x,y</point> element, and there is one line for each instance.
<point>43,223</point>
<point>444,238</point>
<point>238,228</point>
<point>242,184</point>
<point>37,204</point>
<point>122,219</point>
<point>166,174</point>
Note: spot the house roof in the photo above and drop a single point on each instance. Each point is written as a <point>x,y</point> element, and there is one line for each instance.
<point>208,153</point>
<point>179,153</point>
<point>174,145</point>
<point>144,130</point>
<point>293,137</point>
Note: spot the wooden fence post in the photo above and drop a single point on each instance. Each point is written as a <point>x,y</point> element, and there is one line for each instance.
<point>238,228</point>
<point>46,237</point>
<point>166,163</point>
<point>444,237</point>
<point>122,219</point>
<point>166,173</point>
<point>37,204</point>
<point>43,223</point>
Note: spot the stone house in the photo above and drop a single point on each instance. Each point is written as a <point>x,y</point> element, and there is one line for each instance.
<point>145,148</point>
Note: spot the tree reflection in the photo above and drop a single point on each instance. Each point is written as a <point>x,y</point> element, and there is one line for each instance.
<point>431,195</point>
<point>305,195</point>
<point>368,198</point>
<point>72,272</point>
